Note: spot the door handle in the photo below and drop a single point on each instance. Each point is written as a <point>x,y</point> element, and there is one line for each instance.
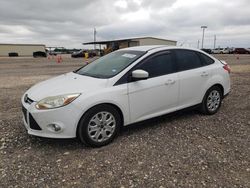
<point>169,81</point>
<point>204,74</point>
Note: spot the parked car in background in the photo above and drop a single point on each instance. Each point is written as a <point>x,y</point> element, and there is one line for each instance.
<point>217,50</point>
<point>54,53</point>
<point>227,50</point>
<point>209,51</point>
<point>81,53</point>
<point>126,86</point>
<point>39,54</point>
<point>241,51</point>
<point>223,50</point>
<point>77,54</point>
<point>92,53</point>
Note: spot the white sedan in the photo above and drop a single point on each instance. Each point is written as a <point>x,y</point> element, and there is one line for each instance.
<point>124,87</point>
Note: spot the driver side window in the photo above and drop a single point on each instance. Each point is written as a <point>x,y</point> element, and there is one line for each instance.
<point>159,65</point>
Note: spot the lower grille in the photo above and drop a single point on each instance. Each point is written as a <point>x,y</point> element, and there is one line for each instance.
<point>24,113</point>
<point>33,123</point>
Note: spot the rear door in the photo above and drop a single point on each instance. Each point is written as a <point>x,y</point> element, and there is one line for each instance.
<point>193,77</point>
<point>159,93</point>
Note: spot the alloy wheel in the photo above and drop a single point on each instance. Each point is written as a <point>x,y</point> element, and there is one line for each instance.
<point>213,100</point>
<point>101,126</point>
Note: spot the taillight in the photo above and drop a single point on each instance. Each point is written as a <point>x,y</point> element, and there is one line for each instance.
<point>227,68</point>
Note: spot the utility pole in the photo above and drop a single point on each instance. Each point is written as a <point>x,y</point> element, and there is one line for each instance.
<point>203,31</point>
<point>94,38</point>
<point>214,41</point>
<point>198,44</point>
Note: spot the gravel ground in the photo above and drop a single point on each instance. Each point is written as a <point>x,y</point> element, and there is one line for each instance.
<point>183,149</point>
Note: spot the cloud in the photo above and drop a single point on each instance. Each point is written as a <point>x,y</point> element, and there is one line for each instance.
<point>69,23</point>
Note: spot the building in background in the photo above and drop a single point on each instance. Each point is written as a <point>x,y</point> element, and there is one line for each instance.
<point>20,49</point>
<point>112,45</point>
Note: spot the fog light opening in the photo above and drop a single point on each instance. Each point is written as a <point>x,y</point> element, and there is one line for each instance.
<point>55,127</point>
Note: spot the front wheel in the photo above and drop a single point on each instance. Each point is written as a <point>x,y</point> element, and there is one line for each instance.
<point>99,126</point>
<point>211,101</point>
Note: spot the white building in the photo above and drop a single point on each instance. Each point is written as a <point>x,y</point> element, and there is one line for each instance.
<point>129,42</point>
<point>20,49</point>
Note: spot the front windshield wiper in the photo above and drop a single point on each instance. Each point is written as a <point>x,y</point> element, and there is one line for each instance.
<point>94,76</point>
<point>75,71</point>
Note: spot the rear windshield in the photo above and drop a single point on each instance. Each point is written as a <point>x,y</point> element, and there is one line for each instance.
<point>111,64</point>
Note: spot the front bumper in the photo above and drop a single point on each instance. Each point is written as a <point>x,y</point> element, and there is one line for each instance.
<point>38,122</point>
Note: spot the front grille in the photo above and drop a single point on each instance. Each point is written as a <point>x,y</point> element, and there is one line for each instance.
<point>24,113</point>
<point>33,123</point>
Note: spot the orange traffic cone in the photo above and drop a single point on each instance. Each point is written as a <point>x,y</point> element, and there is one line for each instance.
<point>58,59</point>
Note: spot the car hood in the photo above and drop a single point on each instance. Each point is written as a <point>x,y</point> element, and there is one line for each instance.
<point>68,83</point>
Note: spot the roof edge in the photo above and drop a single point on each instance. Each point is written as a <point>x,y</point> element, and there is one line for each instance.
<point>22,44</point>
<point>124,39</point>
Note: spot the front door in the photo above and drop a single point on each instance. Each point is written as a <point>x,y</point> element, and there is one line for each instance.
<point>158,94</point>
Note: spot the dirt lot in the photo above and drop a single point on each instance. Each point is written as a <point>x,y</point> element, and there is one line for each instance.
<point>184,149</point>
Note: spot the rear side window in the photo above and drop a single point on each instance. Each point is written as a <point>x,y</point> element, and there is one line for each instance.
<point>205,59</point>
<point>187,59</point>
<point>159,65</point>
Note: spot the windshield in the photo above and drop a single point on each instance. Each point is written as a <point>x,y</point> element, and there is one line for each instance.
<point>111,64</point>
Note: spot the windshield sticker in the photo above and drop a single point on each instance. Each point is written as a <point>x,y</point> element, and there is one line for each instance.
<point>113,70</point>
<point>129,55</point>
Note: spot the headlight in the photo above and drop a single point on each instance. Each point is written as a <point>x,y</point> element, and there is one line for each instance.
<point>56,101</point>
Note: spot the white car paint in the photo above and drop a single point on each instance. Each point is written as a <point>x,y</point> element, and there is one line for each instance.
<point>152,97</point>
<point>139,100</point>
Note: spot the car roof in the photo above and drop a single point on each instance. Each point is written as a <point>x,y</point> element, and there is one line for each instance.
<point>156,48</point>
<point>143,48</point>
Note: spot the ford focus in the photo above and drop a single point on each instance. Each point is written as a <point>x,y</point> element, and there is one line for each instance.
<point>126,86</point>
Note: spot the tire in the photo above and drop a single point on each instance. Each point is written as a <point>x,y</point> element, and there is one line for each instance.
<point>95,132</point>
<point>211,101</point>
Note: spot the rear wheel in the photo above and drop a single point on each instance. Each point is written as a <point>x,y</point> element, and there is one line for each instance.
<point>99,126</point>
<point>211,101</point>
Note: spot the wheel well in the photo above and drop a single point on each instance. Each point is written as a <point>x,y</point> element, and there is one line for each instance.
<point>117,108</point>
<point>110,104</point>
<point>221,88</point>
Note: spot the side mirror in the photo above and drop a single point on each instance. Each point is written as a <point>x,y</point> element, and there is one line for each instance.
<point>139,75</point>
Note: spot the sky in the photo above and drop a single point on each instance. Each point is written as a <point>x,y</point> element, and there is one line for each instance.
<point>69,23</point>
